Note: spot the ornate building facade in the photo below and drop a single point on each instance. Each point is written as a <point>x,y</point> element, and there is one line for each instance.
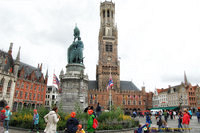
<point>8,76</point>
<point>124,93</point>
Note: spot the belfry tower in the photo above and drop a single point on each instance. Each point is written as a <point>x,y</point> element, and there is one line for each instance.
<point>108,48</point>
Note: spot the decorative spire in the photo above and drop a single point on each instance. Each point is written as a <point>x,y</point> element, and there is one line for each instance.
<point>185,79</point>
<point>18,55</point>
<point>10,49</point>
<point>46,76</point>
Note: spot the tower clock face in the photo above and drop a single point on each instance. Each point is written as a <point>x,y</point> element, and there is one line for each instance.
<point>109,58</point>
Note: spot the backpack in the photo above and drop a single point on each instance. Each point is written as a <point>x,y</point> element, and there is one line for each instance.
<point>95,123</point>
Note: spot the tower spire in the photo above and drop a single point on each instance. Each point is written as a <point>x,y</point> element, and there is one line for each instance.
<point>10,49</point>
<point>185,79</point>
<point>18,55</point>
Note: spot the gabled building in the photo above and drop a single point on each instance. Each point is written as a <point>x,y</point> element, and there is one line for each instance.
<point>31,85</point>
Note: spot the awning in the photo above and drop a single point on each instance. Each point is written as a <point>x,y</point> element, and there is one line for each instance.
<point>164,108</point>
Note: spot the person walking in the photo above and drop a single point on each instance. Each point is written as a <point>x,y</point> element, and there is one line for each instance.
<point>165,115</point>
<point>51,119</point>
<point>72,124</point>
<point>90,128</point>
<point>148,119</point>
<point>186,120</point>
<point>35,121</point>
<point>98,110</point>
<point>198,116</point>
<point>190,113</point>
<point>180,117</point>
<point>159,122</point>
<point>2,118</point>
<point>8,113</point>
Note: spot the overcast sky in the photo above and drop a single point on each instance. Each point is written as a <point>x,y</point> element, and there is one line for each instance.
<point>158,39</point>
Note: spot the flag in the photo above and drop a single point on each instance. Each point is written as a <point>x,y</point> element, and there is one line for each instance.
<point>56,81</point>
<point>91,96</point>
<point>110,83</point>
<point>94,97</point>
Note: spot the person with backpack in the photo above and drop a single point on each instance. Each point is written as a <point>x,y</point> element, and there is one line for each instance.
<point>35,120</point>
<point>72,124</point>
<point>90,127</point>
<point>98,110</point>
<point>80,129</point>
<point>8,113</point>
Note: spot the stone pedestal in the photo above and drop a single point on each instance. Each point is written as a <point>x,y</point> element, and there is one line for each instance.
<point>74,85</point>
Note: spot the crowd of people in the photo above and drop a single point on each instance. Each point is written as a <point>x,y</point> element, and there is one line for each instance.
<point>183,120</point>
<point>52,118</point>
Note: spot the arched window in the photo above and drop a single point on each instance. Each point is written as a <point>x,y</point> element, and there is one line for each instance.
<point>1,84</point>
<point>108,13</point>
<point>104,13</point>
<point>9,86</point>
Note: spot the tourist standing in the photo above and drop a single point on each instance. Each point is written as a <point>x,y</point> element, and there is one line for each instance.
<point>174,114</point>
<point>8,113</point>
<point>35,121</point>
<point>72,124</point>
<point>198,116</point>
<point>2,118</point>
<point>51,119</point>
<point>180,117</point>
<point>148,119</point>
<point>186,120</point>
<point>165,115</point>
<point>98,110</point>
<point>90,128</point>
<point>190,113</point>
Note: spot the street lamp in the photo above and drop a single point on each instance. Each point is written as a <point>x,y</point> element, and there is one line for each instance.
<point>180,102</point>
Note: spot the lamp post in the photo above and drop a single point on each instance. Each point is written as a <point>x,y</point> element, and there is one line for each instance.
<point>180,102</point>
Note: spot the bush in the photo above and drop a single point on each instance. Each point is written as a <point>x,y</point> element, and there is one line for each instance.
<point>113,120</point>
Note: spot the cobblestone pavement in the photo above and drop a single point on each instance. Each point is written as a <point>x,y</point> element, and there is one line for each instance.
<point>194,125</point>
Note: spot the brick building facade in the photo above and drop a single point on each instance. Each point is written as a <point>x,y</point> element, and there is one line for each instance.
<point>30,88</point>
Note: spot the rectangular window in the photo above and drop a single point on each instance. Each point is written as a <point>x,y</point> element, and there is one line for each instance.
<point>35,87</point>
<point>21,94</point>
<point>108,47</point>
<point>22,85</point>
<point>31,86</point>
<point>34,96</point>
<point>18,84</point>
<point>16,94</point>
<point>30,96</point>
<point>26,95</point>
<point>38,97</point>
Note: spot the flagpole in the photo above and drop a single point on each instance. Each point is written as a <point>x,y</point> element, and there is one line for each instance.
<point>110,97</point>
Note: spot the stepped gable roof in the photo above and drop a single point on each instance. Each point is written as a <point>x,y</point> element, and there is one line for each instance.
<point>162,90</point>
<point>28,69</point>
<point>128,85</point>
<point>7,61</point>
<point>124,85</point>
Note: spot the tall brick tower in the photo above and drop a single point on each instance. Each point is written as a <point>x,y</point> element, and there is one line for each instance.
<point>108,48</point>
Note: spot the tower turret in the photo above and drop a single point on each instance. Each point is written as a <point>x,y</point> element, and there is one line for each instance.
<point>17,63</point>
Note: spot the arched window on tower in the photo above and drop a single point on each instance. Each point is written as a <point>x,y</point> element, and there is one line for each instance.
<point>1,84</point>
<point>112,14</point>
<point>9,86</point>
<point>108,13</point>
<point>104,13</point>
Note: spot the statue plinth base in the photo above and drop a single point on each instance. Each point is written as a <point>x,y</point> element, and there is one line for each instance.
<point>74,85</point>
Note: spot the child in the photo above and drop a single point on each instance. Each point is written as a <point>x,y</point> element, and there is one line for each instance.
<point>80,129</point>
<point>139,130</point>
<point>35,120</point>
